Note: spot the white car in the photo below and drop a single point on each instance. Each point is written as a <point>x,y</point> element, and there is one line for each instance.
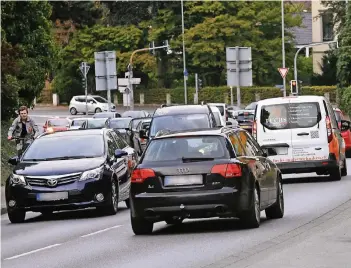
<point>301,135</point>
<point>222,108</point>
<point>96,104</point>
<point>218,117</point>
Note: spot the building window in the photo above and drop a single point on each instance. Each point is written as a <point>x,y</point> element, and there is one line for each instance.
<point>328,31</point>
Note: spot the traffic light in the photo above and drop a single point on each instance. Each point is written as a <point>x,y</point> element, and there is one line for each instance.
<point>294,87</point>
<point>83,82</point>
<point>199,83</point>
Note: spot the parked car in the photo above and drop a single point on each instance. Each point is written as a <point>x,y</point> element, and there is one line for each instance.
<point>96,104</point>
<point>304,133</point>
<point>181,117</point>
<point>107,115</point>
<point>56,124</point>
<point>346,134</point>
<point>120,125</point>
<point>136,114</point>
<point>219,172</point>
<point>70,170</point>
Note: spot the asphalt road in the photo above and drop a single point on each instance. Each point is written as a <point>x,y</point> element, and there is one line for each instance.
<point>85,239</point>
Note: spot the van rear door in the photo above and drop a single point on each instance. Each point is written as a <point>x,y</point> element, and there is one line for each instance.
<point>308,130</point>
<point>273,132</point>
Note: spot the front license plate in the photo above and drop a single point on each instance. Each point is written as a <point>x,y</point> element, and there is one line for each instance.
<point>52,196</point>
<point>183,180</point>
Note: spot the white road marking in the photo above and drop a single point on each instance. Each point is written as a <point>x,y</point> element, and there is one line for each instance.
<point>103,230</point>
<point>33,251</point>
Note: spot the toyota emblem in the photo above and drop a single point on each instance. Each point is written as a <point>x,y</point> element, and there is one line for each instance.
<point>183,170</point>
<point>51,182</point>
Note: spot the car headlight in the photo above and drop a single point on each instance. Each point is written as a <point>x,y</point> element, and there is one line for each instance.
<point>17,180</point>
<point>95,173</point>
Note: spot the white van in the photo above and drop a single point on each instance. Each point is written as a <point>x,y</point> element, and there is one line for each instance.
<point>300,134</point>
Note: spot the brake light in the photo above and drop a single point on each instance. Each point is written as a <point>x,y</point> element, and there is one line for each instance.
<point>140,175</point>
<point>227,170</point>
<point>142,140</point>
<point>254,129</point>
<point>329,129</point>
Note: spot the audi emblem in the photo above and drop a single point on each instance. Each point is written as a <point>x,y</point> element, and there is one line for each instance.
<point>52,182</point>
<point>183,170</point>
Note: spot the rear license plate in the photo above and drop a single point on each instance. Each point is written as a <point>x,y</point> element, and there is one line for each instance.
<point>281,150</point>
<point>245,126</point>
<point>183,180</point>
<point>52,196</point>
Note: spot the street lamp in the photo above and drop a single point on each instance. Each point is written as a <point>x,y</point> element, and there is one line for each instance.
<point>309,45</point>
<point>185,73</point>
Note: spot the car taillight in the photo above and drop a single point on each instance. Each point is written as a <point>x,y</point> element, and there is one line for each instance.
<point>329,129</point>
<point>142,140</point>
<point>227,170</point>
<point>140,175</point>
<point>254,129</point>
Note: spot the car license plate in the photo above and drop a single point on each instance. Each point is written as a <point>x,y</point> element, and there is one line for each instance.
<point>183,180</point>
<point>281,150</point>
<point>52,196</point>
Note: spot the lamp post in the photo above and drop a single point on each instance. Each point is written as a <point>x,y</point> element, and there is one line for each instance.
<point>184,64</point>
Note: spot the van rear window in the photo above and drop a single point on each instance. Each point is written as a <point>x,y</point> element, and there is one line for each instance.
<point>290,115</point>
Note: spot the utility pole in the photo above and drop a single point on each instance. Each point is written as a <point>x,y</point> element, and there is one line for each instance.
<point>283,47</point>
<point>184,64</point>
<point>84,68</point>
<point>196,89</point>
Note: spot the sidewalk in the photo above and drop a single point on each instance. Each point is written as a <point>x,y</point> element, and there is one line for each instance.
<point>322,243</point>
<point>3,202</point>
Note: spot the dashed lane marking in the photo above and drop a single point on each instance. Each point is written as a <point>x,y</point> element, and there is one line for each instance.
<point>33,251</point>
<point>100,231</point>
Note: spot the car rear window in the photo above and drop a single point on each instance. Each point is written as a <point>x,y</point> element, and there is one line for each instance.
<point>245,116</point>
<point>172,149</point>
<point>290,115</point>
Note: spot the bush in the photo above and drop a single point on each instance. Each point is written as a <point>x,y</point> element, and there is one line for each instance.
<point>8,150</point>
<point>222,94</point>
<point>346,101</point>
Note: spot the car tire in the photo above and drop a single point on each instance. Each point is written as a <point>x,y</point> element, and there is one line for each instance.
<point>112,207</point>
<point>73,111</point>
<point>98,110</point>
<point>276,211</point>
<point>348,153</point>
<point>16,216</point>
<point>252,218</point>
<point>335,174</point>
<point>127,201</point>
<point>344,169</point>
<point>141,226</point>
<point>174,221</point>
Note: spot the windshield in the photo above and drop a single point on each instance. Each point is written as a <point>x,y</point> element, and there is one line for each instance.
<point>251,106</point>
<point>120,123</point>
<point>170,149</point>
<point>293,115</point>
<point>57,122</point>
<point>97,123</point>
<point>100,99</point>
<point>179,122</point>
<point>78,122</point>
<point>70,146</point>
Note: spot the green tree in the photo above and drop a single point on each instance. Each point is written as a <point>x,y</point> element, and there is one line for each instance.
<point>328,67</point>
<point>26,34</point>
<point>122,39</point>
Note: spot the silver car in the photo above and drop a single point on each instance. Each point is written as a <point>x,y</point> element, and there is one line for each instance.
<point>96,104</point>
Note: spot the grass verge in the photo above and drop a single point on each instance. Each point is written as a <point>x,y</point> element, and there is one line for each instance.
<point>8,149</point>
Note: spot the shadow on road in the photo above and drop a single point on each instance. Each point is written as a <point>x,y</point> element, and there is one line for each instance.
<point>72,215</point>
<point>203,226</point>
<point>312,179</point>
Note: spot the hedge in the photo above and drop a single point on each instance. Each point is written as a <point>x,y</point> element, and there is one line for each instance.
<point>222,94</point>
<point>346,100</point>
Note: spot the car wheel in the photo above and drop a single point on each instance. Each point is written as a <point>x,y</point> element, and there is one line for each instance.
<point>276,211</point>
<point>252,217</point>
<point>344,169</point>
<point>112,207</point>
<point>335,174</point>
<point>348,153</point>
<point>16,216</point>
<point>127,201</point>
<point>141,226</point>
<point>98,110</point>
<point>73,111</point>
<point>174,221</point>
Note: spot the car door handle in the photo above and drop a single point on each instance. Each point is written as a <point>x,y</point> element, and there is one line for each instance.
<point>303,134</point>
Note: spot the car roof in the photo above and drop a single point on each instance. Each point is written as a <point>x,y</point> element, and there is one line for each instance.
<point>286,99</point>
<point>199,132</point>
<point>74,132</point>
<point>181,109</point>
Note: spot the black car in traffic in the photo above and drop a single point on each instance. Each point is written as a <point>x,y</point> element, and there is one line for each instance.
<point>205,173</point>
<point>70,170</point>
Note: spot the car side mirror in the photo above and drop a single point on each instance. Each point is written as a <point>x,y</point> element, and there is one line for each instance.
<point>142,134</point>
<point>13,160</point>
<point>120,153</point>
<point>229,123</point>
<point>345,125</point>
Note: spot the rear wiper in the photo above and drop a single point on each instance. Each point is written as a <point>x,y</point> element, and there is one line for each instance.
<point>195,159</point>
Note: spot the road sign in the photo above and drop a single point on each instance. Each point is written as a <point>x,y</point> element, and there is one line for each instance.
<point>186,73</point>
<point>84,68</point>
<point>105,70</point>
<point>283,71</point>
<point>244,76</point>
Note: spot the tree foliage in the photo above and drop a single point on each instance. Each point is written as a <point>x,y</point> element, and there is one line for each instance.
<point>27,52</point>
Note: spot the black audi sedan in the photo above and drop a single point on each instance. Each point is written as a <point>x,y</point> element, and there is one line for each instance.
<point>204,173</point>
<point>70,170</point>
